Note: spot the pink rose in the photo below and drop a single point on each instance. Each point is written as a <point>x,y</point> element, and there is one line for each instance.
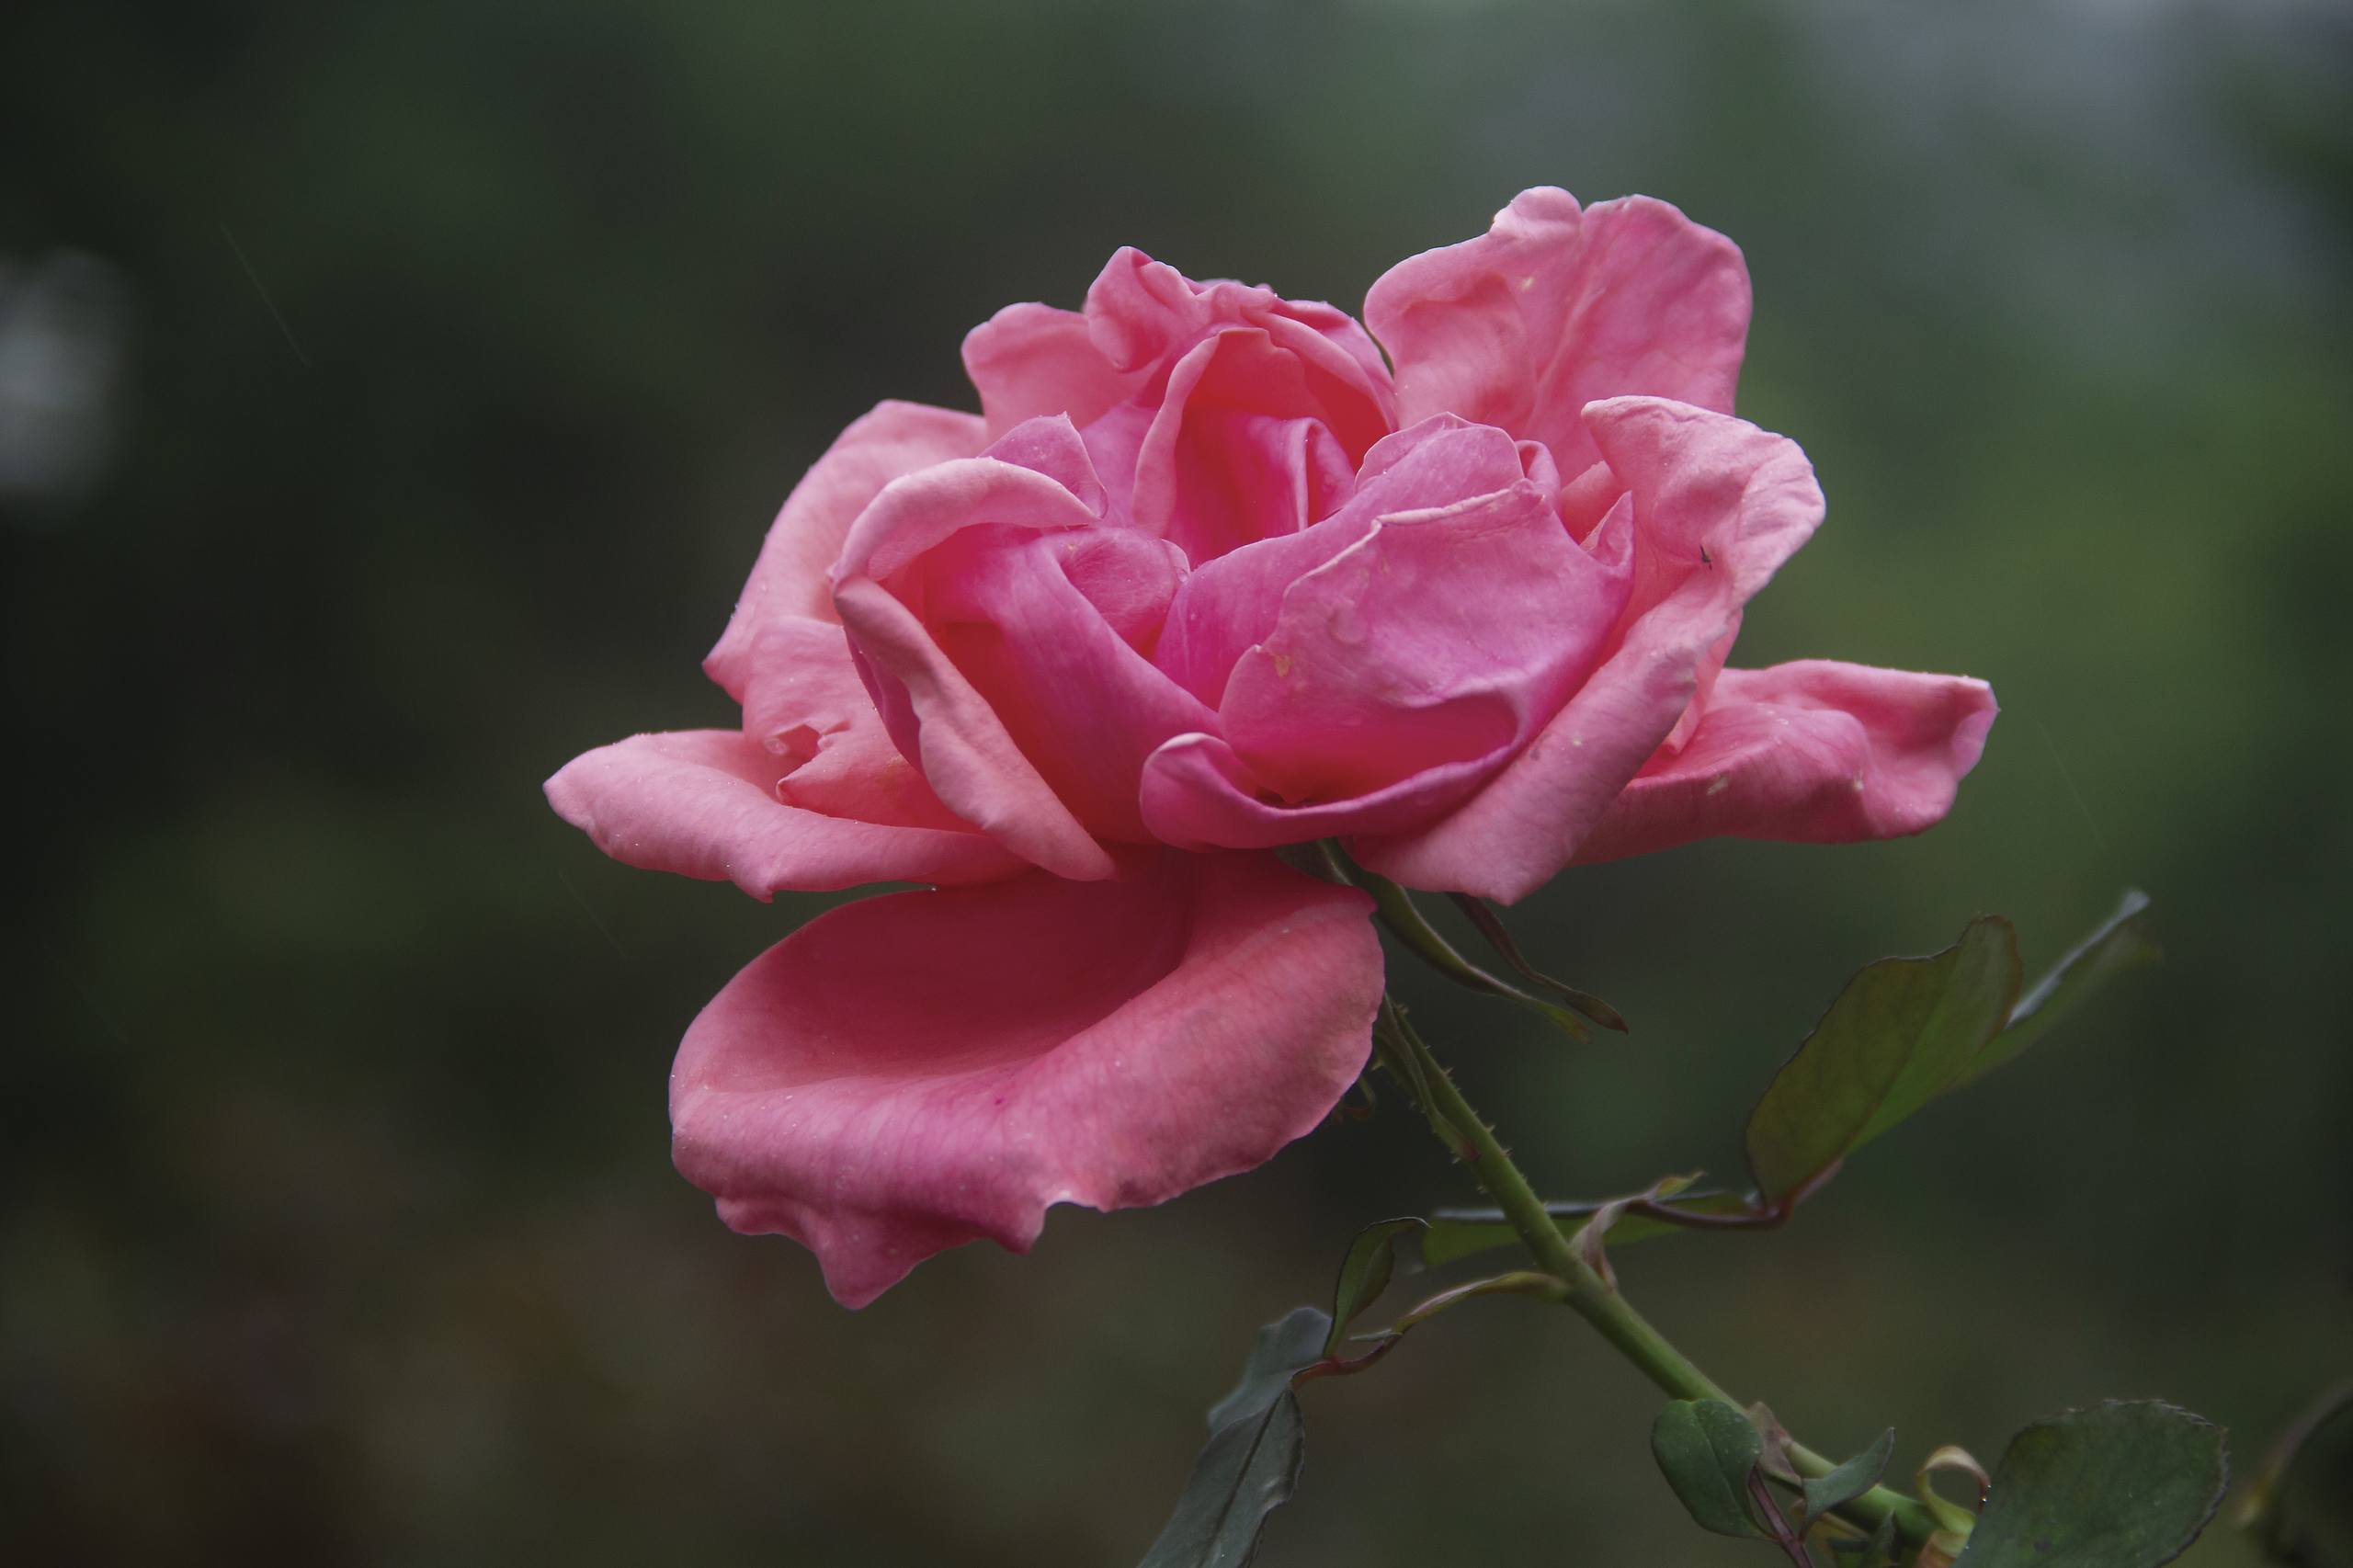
<point>1204,579</point>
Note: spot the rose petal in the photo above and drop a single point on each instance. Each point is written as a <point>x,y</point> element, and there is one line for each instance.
<point>949,730</point>
<point>1030,361</point>
<point>703,803</point>
<point>789,578</point>
<point>1197,794</point>
<point>1443,636</point>
<point>1254,413</point>
<point>805,705</point>
<point>1239,450</point>
<point>1717,495</point>
<point>1227,605</point>
<point>993,628</point>
<point>1814,752</point>
<point>1385,682</point>
<point>1553,308</point>
<point>914,1072</point>
<point>1035,476</point>
<point>1715,506</point>
<point>1012,613</point>
<point>1145,315</point>
<point>1714,496</point>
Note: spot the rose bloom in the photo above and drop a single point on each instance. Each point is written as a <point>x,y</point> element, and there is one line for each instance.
<point>1206,577</point>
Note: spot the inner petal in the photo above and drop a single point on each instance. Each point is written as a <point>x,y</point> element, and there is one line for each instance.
<point>1444,635</point>
<point>1047,627</point>
<point>1230,604</point>
<point>1239,450</point>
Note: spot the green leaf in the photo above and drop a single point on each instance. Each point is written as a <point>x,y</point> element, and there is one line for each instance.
<point>1900,1034</point>
<point>1882,1549</point>
<point>2118,1485</point>
<point>1706,1449</point>
<point>1590,1241</point>
<point>1953,1521</point>
<point>2299,1508</point>
<point>1250,1464</point>
<point>1851,1480</point>
<point>1490,926</point>
<point>1448,1239</point>
<point>1406,922</point>
<point>1459,1232</point>
<point>1906,1030</point>
<point>1365,1273</point>
<point>2122,942</point>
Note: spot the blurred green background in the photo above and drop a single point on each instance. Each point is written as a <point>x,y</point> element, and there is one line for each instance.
<point>391,399</point>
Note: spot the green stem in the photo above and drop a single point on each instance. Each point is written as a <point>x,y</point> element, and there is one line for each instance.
<point>1592,1297</point>
<point>1589,1295</point>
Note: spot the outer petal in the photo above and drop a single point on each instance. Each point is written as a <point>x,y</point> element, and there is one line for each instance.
<point>805,705</point>
<point>1553,308</point>
<point>789,578</point>
<point>1037,484</point>
<point>1815,751</point>
<point>703,803</point>
<point>1715,504</point>
<point>1719,504</point>
<point>1031,360</point>
<point>911,1073</point>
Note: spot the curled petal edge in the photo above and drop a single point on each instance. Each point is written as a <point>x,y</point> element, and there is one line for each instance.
<point>703,803</point>
<point>788,578</point>
<point>914,1071</point>
<point>1717,506</point>
<point>1811,751</point>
